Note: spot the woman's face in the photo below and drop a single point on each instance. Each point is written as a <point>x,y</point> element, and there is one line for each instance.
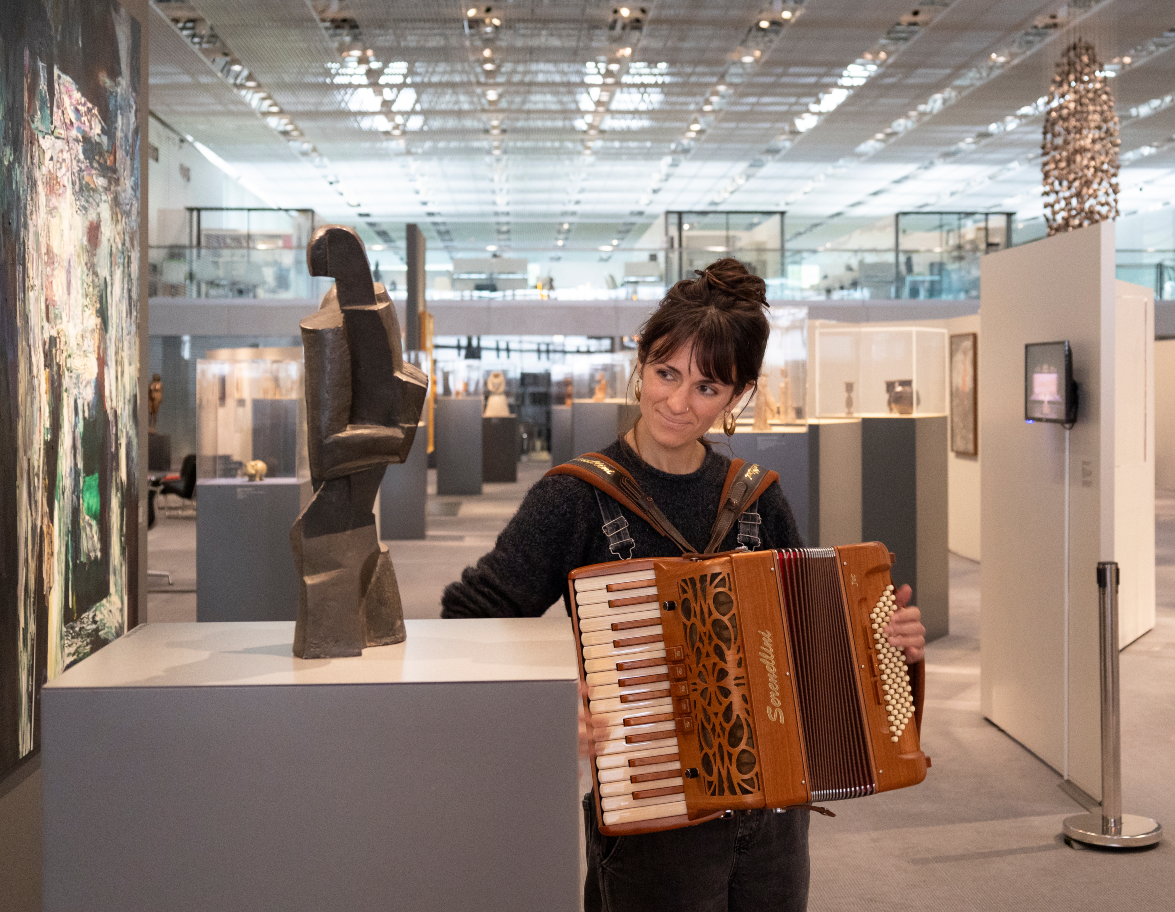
<point>678,403</point>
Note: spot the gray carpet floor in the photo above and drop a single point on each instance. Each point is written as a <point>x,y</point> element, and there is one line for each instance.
<point>983,831</point>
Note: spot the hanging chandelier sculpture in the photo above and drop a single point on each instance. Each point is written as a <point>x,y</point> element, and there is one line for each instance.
<point>1080,146</point>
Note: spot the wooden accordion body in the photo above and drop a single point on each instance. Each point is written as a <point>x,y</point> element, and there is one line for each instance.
<point>739,681</point>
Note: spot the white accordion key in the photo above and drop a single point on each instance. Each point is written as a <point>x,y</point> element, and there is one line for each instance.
<point>614,677</point>
<point>624,760</point>
<point>605,622</point>
<point>623,653</point>
<point>625,773</point>
<point>590,583</point>
<point>647,809</point>
<point>607,663</point>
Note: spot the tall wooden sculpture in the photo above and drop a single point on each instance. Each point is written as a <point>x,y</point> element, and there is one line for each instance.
<point>362,407</point>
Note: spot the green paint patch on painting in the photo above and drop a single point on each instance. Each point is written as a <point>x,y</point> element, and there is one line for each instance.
<point>91,500</point>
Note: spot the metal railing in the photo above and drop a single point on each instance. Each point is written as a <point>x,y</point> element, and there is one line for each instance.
<point>622,274</point>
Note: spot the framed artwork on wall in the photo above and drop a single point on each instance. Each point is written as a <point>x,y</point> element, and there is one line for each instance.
<point>964,394</point>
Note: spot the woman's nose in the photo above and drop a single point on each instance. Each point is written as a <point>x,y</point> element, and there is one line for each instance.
<point>679,399</point>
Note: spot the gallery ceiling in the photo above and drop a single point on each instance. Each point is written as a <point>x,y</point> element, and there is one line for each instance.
<point>500,123</point>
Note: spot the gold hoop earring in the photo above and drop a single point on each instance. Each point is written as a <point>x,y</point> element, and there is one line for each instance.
<point>637,392</point>
<point>728,421</point>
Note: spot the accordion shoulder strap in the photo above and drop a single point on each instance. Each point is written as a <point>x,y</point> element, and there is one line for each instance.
<point>615,481</point>
<point>745,482</point>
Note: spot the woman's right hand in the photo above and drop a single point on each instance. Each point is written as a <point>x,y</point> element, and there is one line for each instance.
<point>587,727</point>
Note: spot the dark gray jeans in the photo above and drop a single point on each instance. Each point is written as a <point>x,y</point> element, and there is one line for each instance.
<point>754,861</point>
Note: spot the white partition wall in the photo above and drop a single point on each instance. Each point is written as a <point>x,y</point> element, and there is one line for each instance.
<point>1055,502</point>
<point>1165,414</point>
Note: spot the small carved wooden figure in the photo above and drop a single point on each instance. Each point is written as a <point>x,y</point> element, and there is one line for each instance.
<point>568,391</point>
<point>766,408</point>
<point>362,407</point>
<point>154,400</point>
<point>600,393</point>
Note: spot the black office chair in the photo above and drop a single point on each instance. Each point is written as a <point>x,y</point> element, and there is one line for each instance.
<point>186,486</point>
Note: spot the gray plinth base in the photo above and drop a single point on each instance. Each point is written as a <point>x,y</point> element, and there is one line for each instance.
<point>834,482</point>
<point>244,566</point>
<point>402,494</point>
<point>191,767</point>
<point>595,425</point>
<point>458,446</point>
<point>501,445</point>
<point>785,452</point>
<point>561,435</point>
<point>904,505</point>
<point>1092,829</point>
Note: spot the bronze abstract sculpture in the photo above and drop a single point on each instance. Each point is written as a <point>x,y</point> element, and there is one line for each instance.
<point>1079,152</point>
<point>362,407</point>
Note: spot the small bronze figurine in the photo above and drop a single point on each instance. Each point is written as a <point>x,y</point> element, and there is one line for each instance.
<point>362,407</point>
<point>154,400</point>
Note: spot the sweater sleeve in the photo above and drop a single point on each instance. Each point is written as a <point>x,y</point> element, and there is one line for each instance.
<point>526,572</point>
<point>778,524</point>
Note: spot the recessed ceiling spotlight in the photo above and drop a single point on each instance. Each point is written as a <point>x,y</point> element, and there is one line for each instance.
<point>491,247</point>
<point>615,242</point>
<point>707,107</point>
<point>748,59</point>
<point>1126,60</point>
<point>786,14</point>
<point>763,23</point>
<point>559,242</point>
<point>496,21</point>
<point>489,66</point>
<point>471,12</point>
<point>487,53</point>
<point>691,134</point>
<point>695,126</point>
<point>624,11</point>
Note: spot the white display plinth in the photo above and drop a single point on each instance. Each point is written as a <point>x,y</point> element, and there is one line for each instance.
<point>202,766</point>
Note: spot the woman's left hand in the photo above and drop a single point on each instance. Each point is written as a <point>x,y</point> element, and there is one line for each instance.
<point>904,630</point>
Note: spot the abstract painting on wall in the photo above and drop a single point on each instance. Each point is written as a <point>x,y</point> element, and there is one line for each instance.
<point>69,311</point>
<point>964,396</point>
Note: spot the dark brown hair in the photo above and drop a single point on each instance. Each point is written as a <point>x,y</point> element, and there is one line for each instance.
<point>720,315</point>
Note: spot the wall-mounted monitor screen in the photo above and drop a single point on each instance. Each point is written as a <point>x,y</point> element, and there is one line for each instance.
<point>1049,391</point>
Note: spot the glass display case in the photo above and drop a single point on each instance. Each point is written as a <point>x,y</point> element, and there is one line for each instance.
<point>879,370</point>
<point>251,406</point>
<point>781,398</point>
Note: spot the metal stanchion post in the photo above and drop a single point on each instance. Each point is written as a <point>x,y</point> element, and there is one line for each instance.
<point>1110,827</point>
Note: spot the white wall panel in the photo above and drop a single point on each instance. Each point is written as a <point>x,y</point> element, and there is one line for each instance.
<point>1048,507</point>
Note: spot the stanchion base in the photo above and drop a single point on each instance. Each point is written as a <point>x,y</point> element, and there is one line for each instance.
<point>1135,831</point>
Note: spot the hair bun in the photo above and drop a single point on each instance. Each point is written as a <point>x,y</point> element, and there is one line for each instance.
<point>731,277</point>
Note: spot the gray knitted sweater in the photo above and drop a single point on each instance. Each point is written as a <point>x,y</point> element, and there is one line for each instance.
<point>557,529</point>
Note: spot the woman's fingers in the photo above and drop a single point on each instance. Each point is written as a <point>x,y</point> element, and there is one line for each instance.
<point>905,630</point>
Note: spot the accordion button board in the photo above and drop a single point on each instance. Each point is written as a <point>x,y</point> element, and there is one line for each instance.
<point>741,681</point>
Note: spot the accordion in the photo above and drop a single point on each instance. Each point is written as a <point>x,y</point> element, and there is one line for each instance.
<point>744,680</point>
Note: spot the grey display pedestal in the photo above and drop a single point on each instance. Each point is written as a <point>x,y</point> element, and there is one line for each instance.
<point>201,766</point>
<point>904,504</point>
<point>501,446</point>
<point>244,566</point>
<point>158,452</point>
<point>785,451</point>
<point>595,425</point>
<point>834,482</point>
<point>561,434</point>
<point>458,446</point>
<point>402,493</point>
